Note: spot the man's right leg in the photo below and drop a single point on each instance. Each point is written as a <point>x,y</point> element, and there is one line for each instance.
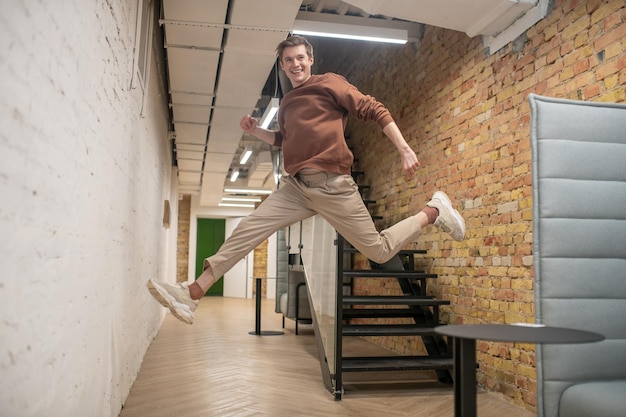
<point>281,209</point>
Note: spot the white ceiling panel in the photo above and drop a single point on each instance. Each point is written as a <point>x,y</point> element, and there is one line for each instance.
<point>189,178</point>
<point>208,37</point>
<point>190,147</point>
<point>191,98</point>
<point>191,113</point>
<point>191,133</point>
<point>229,118</point>
<point>255,41</point>
<point>224,140</point>
<point>267,13</point>
<point>500,17</point>
<point>213,11</point>
<point>241,80</point>
<point>215,162</point>
<point>239,69</point>
<point>212,188</point>
<point>189,155</point>
<point>240,101</point>
<point>192,70</point>
<point>189,165</point>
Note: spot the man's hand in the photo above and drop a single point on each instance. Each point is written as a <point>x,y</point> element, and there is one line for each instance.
<point>410,163</point>
<point>251,126</point>
<point>248,123</point>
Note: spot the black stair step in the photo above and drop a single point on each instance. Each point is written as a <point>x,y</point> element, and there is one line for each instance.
<point>402,252</point>
<point>363,188</point>
<point>381,273</point>
<point>395,363</point>
<point>412,251</point>
<point>414,300</point>
<point>388,330</point>
<point>369,313</point>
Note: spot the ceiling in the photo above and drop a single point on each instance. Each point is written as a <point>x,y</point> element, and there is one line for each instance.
<point>221,65</point>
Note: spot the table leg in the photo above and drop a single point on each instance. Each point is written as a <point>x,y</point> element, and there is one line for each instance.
<point>464,377</point>
<point>257,320</point>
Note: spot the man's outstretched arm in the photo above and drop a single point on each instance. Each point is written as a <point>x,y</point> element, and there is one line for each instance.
<point>409,160</point>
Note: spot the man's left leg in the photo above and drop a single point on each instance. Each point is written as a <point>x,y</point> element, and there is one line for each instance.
<point>344,209</point>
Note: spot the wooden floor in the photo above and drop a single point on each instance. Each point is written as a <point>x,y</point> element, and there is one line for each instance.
<point>215,368</point>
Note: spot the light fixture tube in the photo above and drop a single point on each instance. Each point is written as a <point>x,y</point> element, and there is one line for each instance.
<point>242,199</point>
<point>234,175</point>
<point>270,112</point>
<point>247,153</point>
<point>235,205</point>
<point>260,191</point>
<point>345,31</point>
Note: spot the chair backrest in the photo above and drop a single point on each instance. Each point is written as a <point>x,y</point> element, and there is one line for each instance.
<point>579,240</point>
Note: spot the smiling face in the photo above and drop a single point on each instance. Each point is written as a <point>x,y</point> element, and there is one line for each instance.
<point>296,63</point>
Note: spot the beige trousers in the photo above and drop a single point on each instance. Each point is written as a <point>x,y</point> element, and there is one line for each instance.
<point>336,198</point>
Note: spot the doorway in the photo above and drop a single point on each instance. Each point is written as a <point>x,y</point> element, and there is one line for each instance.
<point>210,236</point>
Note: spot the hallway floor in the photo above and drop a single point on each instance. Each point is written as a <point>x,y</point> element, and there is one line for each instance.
<point>215,368</point>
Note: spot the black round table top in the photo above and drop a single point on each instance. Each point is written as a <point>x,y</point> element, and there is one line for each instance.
<point>523,333</point>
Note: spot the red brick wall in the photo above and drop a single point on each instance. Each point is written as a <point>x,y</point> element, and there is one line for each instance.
<point>466,114</point>
<point>260,265</point>
<point>182,246</point>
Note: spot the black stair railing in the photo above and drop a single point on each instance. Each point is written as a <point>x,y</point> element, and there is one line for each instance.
<point>337,377</point>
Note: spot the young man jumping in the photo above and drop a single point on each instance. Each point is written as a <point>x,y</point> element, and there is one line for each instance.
<point>312,118</point>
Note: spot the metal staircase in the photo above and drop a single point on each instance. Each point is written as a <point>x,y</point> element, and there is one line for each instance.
<point>361,316</point>
<point>365,315</point>
<point>338,312</point>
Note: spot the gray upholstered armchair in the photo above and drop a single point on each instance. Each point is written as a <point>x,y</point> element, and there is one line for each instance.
<point>579,246</point>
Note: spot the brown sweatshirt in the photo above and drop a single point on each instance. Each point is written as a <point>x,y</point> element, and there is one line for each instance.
<point>312,118</point>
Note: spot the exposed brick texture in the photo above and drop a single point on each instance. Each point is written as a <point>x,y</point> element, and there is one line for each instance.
<point>182,244</point>
<point>260,265</point>
<point>466,114</point>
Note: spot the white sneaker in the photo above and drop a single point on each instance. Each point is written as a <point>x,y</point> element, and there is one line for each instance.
<point>176,297</point>
<point>449,220</point>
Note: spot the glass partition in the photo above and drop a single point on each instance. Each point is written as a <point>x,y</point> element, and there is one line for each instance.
<point>319,256</point>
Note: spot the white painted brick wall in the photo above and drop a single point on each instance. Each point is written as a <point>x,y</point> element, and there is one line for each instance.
<point>82,182</point>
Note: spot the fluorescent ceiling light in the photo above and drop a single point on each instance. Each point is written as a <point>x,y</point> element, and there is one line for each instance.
<point>247,153</point>
<point>236,205</point>
<point>234,175</point>
<point>242,199</point>
<point>259,191</point>
<point>270,112</point>
<point>345,31</point>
